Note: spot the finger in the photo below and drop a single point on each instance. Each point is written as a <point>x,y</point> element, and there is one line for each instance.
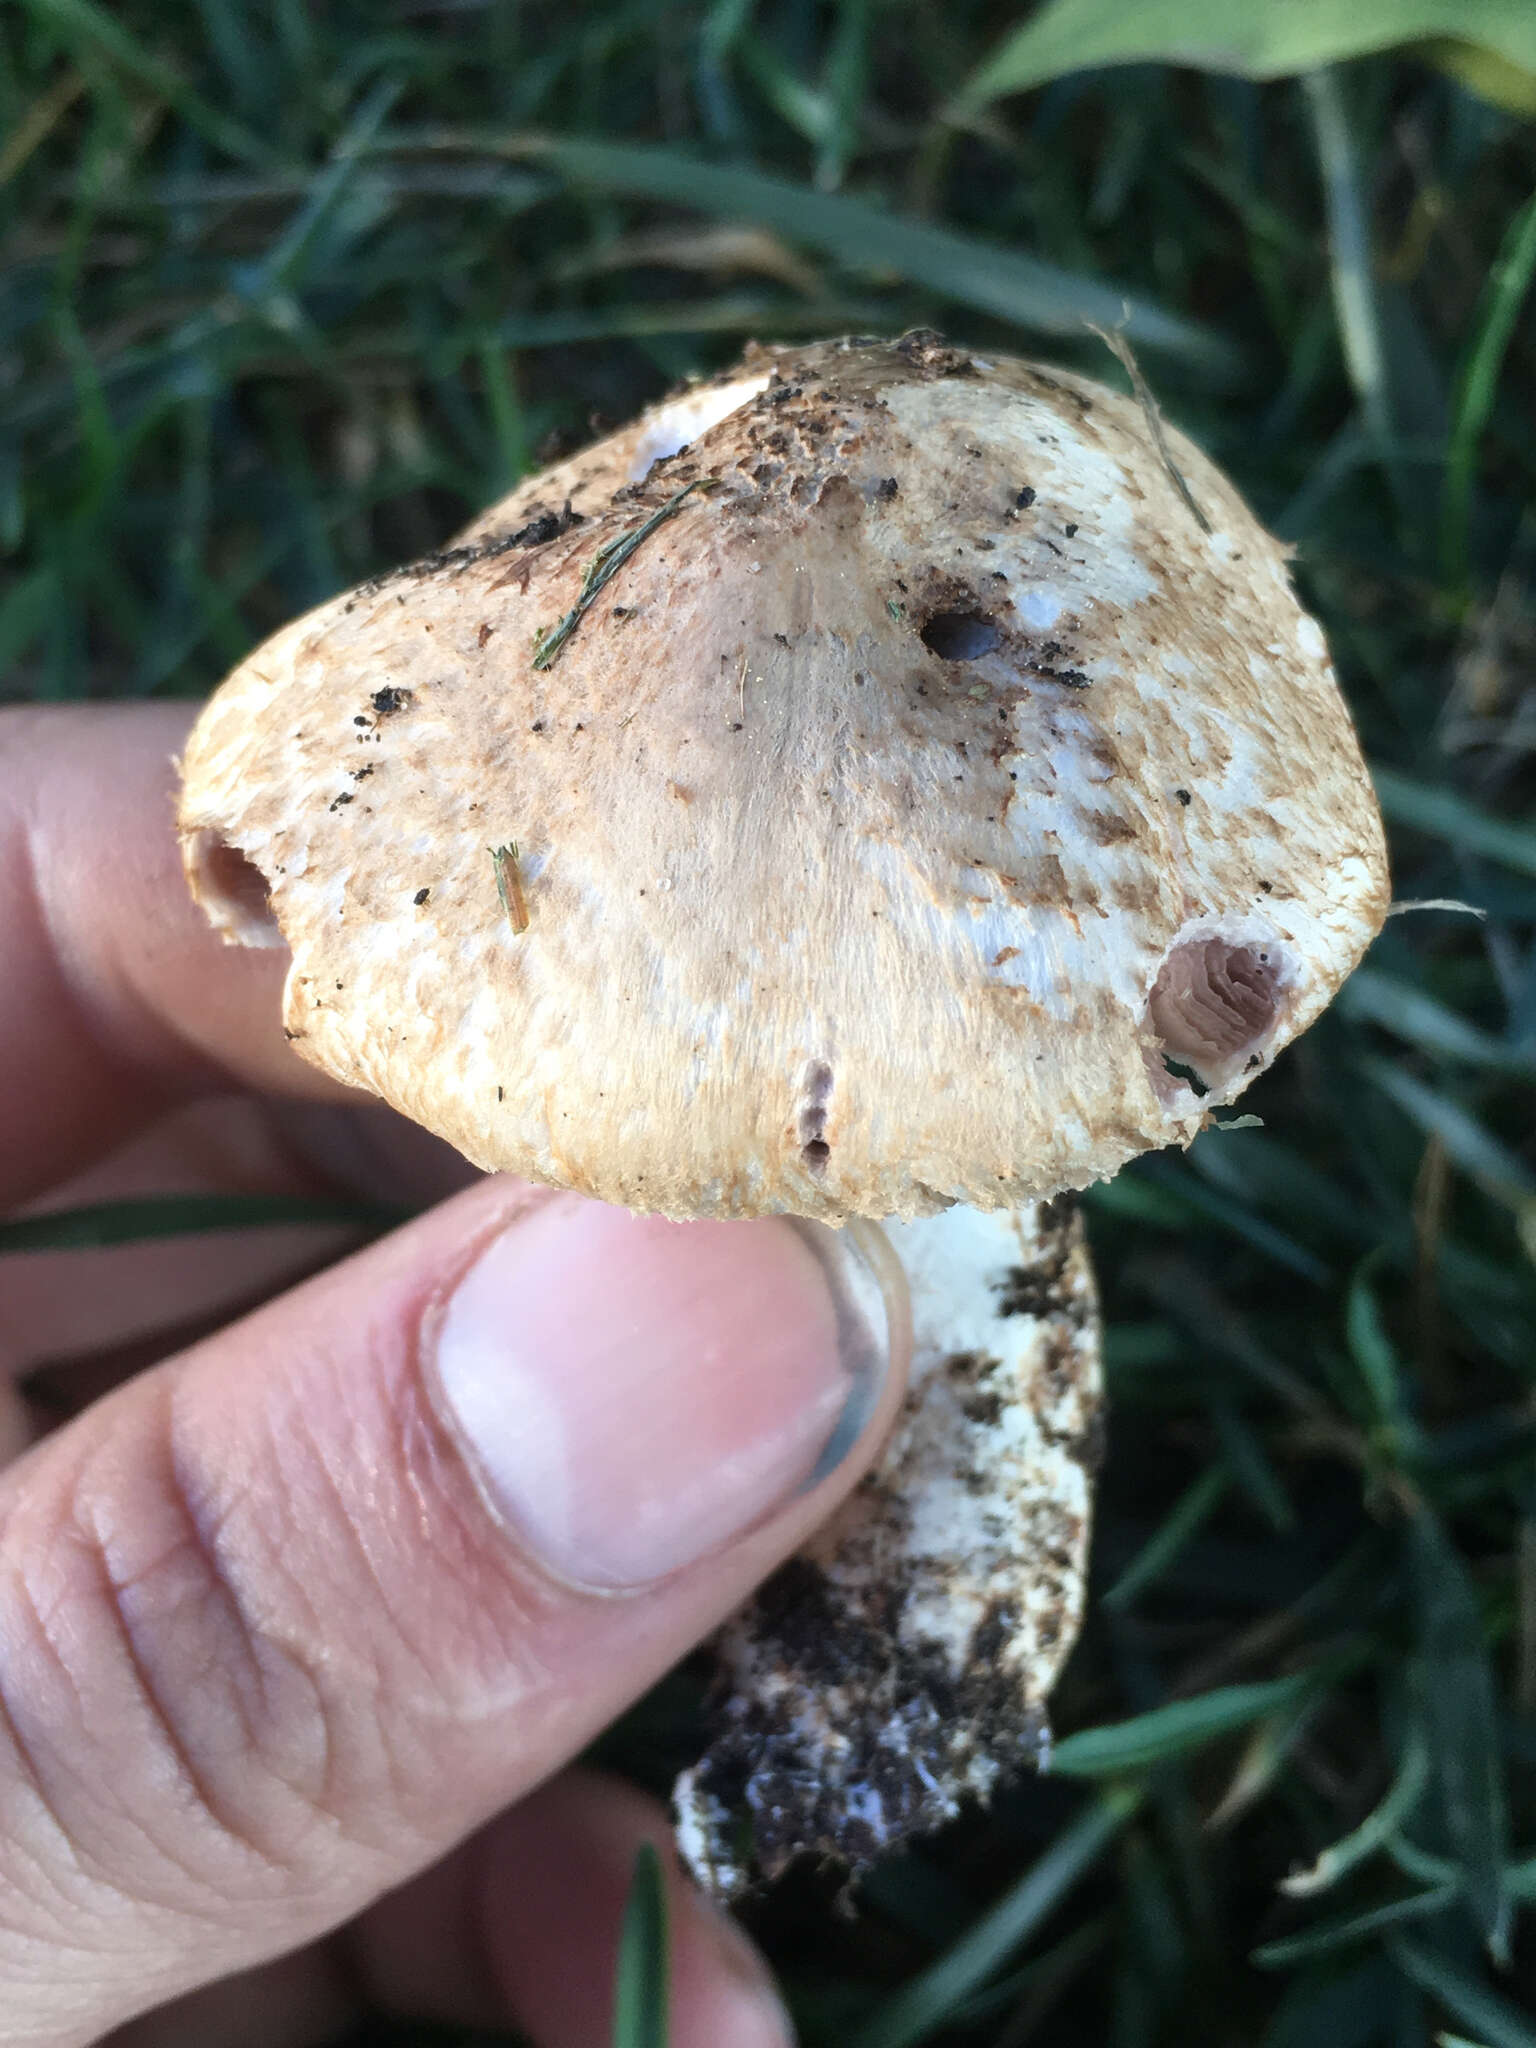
<point>283,1620</point>
<point>117,999</point>
<point>522,1925</point>
<point>300,2001</point>
<point>143,1297</point>
<point>15,1423</point>
<point>71,1304</point>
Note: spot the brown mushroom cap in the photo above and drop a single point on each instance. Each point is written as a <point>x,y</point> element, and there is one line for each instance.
<point>927,808</point>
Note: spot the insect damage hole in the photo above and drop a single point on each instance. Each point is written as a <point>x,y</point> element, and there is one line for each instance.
<point>233,891</point>
<point>1213,1004</point>
<point>960,636</point>
<point>816,1085</point>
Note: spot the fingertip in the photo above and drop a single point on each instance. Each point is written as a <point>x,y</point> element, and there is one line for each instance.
<point>118,999</point>
<point>557,1884</point>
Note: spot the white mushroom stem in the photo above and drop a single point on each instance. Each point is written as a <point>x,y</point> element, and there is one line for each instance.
<point>900,1664</point>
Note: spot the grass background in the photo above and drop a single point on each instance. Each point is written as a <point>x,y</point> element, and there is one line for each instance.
<point>288,291</point>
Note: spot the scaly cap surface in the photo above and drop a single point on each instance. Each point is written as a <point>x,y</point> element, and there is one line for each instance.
<point>916,798</point>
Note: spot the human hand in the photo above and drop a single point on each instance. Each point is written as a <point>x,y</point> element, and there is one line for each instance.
<point>289,1619</point>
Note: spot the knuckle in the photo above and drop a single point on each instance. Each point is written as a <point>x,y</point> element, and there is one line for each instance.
<point>242,1654</point>
<point>157,1734</point>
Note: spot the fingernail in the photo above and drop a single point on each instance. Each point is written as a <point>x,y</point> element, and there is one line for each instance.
<point>634,1393</point>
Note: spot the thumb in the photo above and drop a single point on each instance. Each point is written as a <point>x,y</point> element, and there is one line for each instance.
<point>284,1619</point>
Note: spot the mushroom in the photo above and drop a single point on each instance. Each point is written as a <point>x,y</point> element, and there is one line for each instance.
<point>882,783</point>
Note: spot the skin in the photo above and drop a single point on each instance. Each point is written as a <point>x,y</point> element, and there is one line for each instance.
<point>205,1835</point>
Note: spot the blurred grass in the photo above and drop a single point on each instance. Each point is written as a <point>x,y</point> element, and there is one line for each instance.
<point>641,1987</point>
<point>287,292</point>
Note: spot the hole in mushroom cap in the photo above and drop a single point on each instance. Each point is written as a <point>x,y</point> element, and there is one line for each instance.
<point>816,1085</point>
<point>232,891</point>
<point>1213,1003</point>
<point>960,636</point>
<point>681,422</point>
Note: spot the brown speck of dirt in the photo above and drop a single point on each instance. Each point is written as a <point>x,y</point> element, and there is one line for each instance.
<point>485,632</point>
<point>545,526</point>
<point>927,351</point>
<point>1041,1289</point>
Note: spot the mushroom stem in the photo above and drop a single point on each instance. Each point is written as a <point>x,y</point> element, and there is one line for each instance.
<point>901,1663</point>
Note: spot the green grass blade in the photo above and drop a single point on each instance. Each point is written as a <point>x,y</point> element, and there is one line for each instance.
<point>1414,1016</point>
<point>1456,1682</point>
<point>1395,1811</point>
<point>97,1224</point>
<point>1377,1362</point>
<point>1350,261</point>
<point>1252,1469</point>
<point>1484,71</point>
<point>1341,2008</point>
<point>24,612</point>
<point>1174,1730</point>
<point>928,1999</point>
<point>1442,814</point>
<point>1499,1172</point>
<point>640,1985</point>
<point>1192,1510</point>
<point>798,105</point>
<point>1032,294</point>
<point>1229,1215</point>
<point>1508,282</point>
<point>1500,2023</point>
<point>504,405</point>
<point>843,82</point>
<point>82,21</point>
<point>324,193</point>
<point>1260,41</point>
<point>1350,1928</point>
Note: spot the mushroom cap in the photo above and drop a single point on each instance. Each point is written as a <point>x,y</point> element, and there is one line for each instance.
<point>926,801</point>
